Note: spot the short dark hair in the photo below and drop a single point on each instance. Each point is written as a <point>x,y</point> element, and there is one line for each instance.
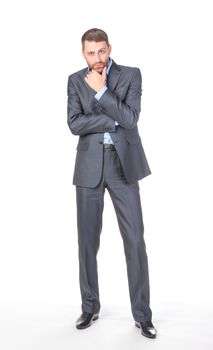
<point>96,35</point>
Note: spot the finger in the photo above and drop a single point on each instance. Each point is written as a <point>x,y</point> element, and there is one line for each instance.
<point>94,71</point>
<point>87,76</point>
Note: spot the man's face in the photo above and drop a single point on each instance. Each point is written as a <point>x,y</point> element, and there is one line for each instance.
<point>96,54</point>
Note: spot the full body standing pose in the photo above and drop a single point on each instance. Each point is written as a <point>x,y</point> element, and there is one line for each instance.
<point>103,110</point>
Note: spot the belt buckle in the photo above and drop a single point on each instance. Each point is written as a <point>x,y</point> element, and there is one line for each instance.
<point>109,146</point>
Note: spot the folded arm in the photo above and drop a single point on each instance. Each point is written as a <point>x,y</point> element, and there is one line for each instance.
<point>126,112</point>
<point>81,123</point>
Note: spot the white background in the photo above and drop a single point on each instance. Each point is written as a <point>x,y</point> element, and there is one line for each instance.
<point>171,42</point>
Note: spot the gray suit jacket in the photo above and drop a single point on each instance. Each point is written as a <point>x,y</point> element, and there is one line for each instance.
<point>90,118</point>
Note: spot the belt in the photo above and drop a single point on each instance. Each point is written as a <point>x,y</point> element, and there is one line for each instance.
<point>109,146</point>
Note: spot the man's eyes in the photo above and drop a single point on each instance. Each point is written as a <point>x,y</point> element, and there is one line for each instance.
<point>102,52</point>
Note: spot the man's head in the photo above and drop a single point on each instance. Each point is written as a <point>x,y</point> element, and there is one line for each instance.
<point>96,49</point>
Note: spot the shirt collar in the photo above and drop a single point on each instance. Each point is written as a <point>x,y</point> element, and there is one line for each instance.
<point>109,66</point>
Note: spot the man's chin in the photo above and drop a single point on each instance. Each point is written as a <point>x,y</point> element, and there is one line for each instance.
<point>99,69</point>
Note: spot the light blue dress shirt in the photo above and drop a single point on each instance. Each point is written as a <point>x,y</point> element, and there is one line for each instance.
<point>107,137</point>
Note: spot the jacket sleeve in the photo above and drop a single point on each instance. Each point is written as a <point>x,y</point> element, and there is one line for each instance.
<point>126,112</point>
<point>81,123</point>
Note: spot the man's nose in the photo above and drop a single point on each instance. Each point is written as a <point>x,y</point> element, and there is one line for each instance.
<point>97,58</point>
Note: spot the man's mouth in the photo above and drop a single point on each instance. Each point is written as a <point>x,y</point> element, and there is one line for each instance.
<point>98,66</point>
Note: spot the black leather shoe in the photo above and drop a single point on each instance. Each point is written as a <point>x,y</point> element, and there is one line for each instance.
<point>85,320</point>
<point>147,329</point>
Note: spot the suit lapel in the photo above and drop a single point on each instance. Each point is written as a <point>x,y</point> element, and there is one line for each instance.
<point>114,75</point>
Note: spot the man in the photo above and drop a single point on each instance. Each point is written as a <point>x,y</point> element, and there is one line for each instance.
<point>103,109</point>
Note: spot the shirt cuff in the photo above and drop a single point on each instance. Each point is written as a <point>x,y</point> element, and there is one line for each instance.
<point>100,92</point>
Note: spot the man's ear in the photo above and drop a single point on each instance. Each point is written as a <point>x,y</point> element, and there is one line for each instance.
<point>110,49</point>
